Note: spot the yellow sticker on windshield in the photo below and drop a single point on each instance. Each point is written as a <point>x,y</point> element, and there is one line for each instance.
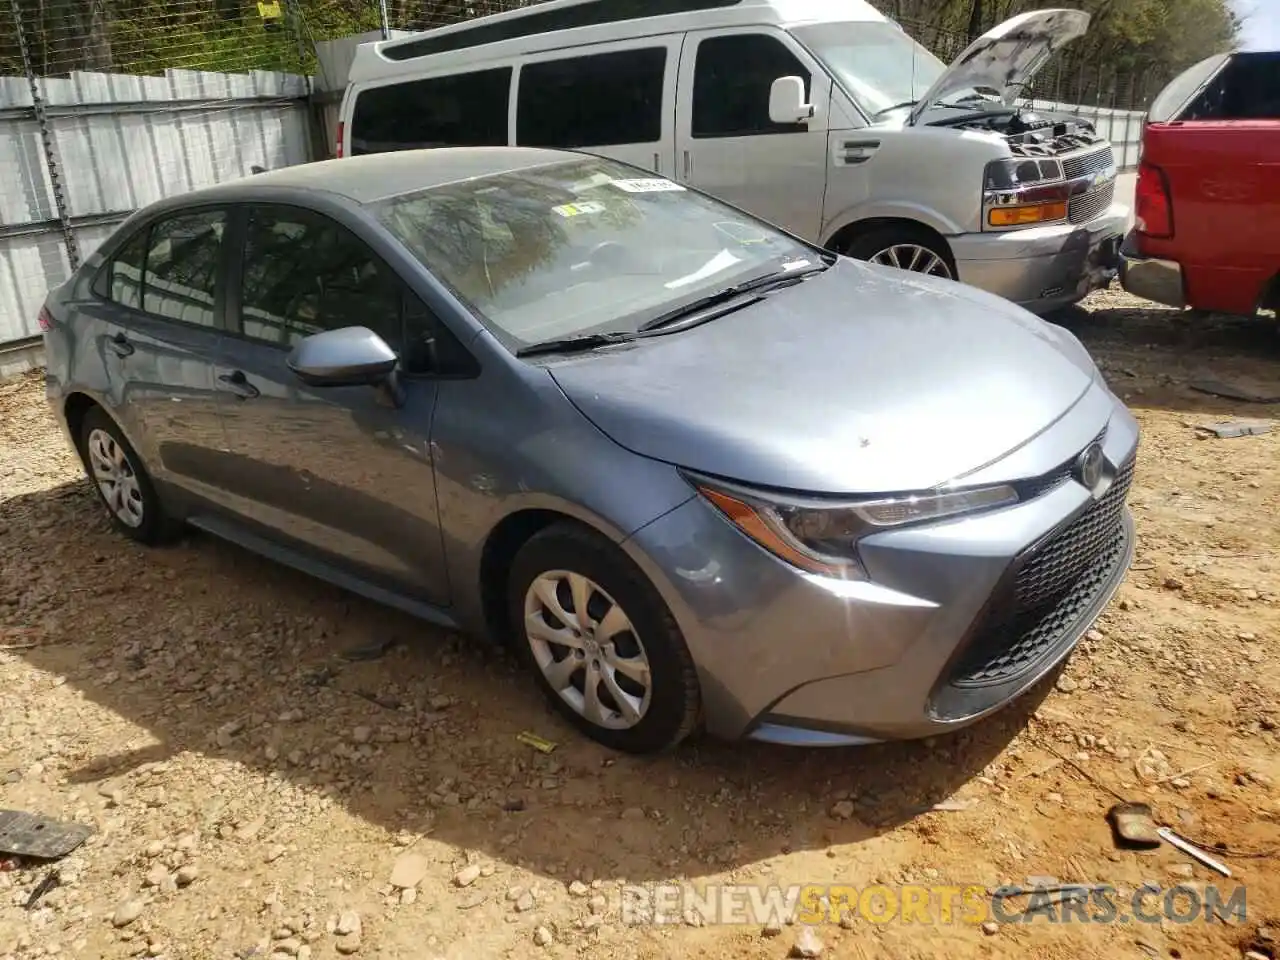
<point>577,209</point>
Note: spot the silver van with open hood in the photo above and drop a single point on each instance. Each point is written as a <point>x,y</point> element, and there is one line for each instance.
<point>821,116</point>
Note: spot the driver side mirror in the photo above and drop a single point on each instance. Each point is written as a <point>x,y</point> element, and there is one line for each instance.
<point>348,357</point>
<point>786,101</point>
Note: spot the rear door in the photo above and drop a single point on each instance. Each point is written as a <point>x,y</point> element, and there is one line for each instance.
<point>616,100</point>
<point>340,474</point>
<point>159,307</point>
<point>725,142</point>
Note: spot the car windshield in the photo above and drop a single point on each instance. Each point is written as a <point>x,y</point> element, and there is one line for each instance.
<point>876,64</point>
<point>582,247</point>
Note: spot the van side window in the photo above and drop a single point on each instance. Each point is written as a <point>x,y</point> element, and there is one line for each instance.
<point>731,81</point>
<point>464,110</point>
<point>1247,89</point>
<point>592,101</point>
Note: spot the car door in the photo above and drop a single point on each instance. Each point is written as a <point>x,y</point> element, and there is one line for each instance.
<point>341,474</point>
<point>725,142</point>
<point>614,99</point>
<point>159,303</point>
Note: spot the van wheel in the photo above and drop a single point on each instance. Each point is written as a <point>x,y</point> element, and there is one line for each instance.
<point>601,642</point>
<point>904,247</point>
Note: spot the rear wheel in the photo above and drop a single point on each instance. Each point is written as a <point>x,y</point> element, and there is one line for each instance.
<point>122,482</point>
<point>597,635</point>
<point>904,247</point>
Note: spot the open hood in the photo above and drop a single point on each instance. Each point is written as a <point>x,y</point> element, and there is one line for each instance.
<point>1007,56</point>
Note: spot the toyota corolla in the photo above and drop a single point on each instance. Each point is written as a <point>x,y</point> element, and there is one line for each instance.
<point>700,473</point>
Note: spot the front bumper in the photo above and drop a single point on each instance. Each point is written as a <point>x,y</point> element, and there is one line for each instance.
<point>1043,268</point>
<point>932,641</point>
<point>1150,277</point>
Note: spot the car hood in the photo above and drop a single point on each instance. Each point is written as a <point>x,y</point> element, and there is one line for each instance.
<point>1006,56</point>
<point>861,379</point>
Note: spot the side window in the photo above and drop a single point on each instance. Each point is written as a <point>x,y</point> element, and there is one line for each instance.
<point>465,110</point>
<point>304,274</point>
<point>121,279</point>
<point>592,101</point>
<point>1248,89</point>
<point>731,80</point>
<point>183,259</point>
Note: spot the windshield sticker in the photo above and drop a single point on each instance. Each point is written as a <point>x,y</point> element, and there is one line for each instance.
<point>796,264</point>
<point>721,261</point>
<point>655,185</point>
<point>577,209</point>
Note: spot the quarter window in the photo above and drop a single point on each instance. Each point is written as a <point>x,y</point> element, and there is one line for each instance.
<point>465,110</point>
<point>592,101</point>
<point>731,82</point>
<point>181,273</point>
<point>121,282</point>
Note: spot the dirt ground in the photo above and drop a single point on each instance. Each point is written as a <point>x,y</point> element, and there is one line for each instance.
<point>252,788</point>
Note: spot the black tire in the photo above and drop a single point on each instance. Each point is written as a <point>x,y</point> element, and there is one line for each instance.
<point>674,699</point>
<point>156,526</point>
<point>867,245</point>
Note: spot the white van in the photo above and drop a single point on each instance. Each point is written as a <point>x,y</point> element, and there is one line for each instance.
<point>820,116</point>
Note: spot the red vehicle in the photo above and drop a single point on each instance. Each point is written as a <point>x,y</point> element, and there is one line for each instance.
<point>1207,209</point>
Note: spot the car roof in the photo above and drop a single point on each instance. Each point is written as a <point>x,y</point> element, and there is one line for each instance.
<point>372,177</point>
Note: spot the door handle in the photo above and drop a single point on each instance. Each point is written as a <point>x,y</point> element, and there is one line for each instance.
<point>236,382</point>
<point>687,165</point>
<point>121,346</point>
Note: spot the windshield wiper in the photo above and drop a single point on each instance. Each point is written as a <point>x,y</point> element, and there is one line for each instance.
<point>896,106</point>
<point>727,294</point>
<point>573,344</point>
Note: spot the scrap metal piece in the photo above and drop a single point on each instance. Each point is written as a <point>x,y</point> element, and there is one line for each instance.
<point>26,835</point>
<point>1193,851</point>
<point>1133,826</point>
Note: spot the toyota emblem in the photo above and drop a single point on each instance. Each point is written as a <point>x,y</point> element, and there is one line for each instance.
<point>1089,466</point>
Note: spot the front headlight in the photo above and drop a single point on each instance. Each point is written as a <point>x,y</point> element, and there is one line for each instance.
<point>822,536</point>
<point>1020,192</point>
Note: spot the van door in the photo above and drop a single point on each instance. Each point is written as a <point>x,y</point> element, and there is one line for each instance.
<point>725,142</point>
<point>613,99</point>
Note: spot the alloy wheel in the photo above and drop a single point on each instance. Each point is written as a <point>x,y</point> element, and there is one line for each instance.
<point>913,257</point>
<point>587,649</point>
<point>116,478</point>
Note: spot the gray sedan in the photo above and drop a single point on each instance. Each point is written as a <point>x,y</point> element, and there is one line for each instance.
<point>698,472</point>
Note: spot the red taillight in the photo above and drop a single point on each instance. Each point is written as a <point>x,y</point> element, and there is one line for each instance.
<point>1153,207</point>
<point>338,152</point>
<point>45,319</point>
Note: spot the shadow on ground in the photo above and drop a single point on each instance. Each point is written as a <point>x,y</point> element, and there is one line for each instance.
<point>211,649</point>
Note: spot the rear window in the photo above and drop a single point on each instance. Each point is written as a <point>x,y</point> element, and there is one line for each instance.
<point>593,101</point>
<point>462,110</point>
<point>1248,88</point>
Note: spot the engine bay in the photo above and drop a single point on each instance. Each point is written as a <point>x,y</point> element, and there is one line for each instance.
<point>1032,134</point>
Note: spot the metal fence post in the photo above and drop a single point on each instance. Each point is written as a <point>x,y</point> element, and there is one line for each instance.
<point>52,163</point>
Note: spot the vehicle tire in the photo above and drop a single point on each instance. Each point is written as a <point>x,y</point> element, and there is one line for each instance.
<point>123,484</point>
<point>647,698</point>
<point>905,247</point>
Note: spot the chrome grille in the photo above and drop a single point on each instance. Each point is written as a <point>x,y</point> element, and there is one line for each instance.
<point>1088,205</point>
<point>1088,163</point>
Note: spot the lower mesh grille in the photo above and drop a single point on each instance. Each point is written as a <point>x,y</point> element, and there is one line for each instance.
<point>1054,588</point>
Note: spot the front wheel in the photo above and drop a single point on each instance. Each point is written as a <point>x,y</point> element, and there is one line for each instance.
<point>605,649</point>
<point>903,247</point>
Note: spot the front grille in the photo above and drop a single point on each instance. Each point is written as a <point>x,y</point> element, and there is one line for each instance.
<point>1001,654</point>
<point>1064,558</point>
<point>1054,587</point>
<point>1088,163</point>
<point>1088,205</point>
